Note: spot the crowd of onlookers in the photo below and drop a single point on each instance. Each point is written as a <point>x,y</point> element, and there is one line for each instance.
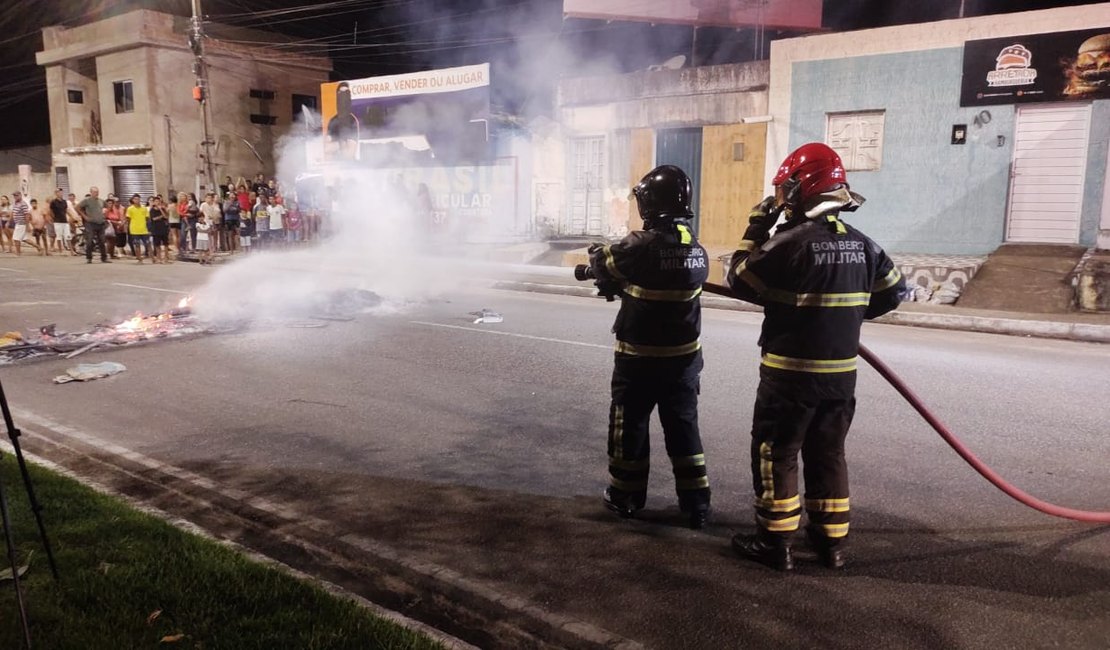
<point>240,217</point>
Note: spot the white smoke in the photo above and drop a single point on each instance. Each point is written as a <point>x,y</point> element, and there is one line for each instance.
<point>377,235</point>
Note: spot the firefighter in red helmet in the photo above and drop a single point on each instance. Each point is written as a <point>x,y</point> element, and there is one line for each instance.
<point>817,279</point>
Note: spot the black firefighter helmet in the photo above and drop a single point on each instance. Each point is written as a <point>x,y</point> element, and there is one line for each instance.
<point>664,193</point>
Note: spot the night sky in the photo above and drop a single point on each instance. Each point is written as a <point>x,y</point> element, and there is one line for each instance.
<point>371,37</point>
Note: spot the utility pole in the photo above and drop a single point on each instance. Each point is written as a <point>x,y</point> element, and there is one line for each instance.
<point>169,149</point>
<point>200,91</point>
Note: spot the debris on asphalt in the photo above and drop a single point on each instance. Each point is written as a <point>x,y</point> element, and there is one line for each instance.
<point>343,304</point>
<point>487,316</point>
<point>80,351</point>
<point>90,371</point>
<point>48,341</point>
<point>336,305</point>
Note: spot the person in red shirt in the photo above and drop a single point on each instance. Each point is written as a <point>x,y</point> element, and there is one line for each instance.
<point>115,218</point>
<point>244,198</point>
<point>293,223</point>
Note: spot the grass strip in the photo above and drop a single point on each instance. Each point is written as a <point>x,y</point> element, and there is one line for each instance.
<point>131,580</point>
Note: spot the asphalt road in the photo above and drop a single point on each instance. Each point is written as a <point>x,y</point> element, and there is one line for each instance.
<point>481,447</point>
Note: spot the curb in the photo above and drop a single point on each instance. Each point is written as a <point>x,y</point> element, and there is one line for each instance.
<point>449,642</point>
<point>316,540</point>
<point>1084,332</point>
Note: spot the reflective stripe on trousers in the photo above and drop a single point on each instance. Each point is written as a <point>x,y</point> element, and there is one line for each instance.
<point>783,426</point>
<point>672,384</point>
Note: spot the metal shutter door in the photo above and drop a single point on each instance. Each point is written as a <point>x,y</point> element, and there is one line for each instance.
<point>133,180</point>
<point>1050,162</point>
<point>61,177</point>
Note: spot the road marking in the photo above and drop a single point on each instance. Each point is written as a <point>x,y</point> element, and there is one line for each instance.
<point>30,304</point>
<point>139,286</point>
<point>519,336</point>
<point>12,270</point>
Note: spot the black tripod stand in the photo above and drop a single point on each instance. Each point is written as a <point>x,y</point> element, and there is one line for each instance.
<point>13,436</point>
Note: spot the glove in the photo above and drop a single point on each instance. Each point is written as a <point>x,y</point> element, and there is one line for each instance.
<point>594,247</point>
<point>760,220</point>
<point>761,213</point>
<point>608,289</point>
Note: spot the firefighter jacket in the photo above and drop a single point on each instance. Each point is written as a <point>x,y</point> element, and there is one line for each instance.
<point>817,280</point>
<point>660,272</point>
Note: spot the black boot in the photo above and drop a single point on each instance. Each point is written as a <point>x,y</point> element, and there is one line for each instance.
<point>695,507</point>
<point>699,517</point>
<point>768,550</point>
<point>829,552</point>
<point>623,503</point>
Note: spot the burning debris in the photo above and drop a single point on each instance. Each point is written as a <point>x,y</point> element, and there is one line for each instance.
<point>175,323</point>
<point>178,322</point>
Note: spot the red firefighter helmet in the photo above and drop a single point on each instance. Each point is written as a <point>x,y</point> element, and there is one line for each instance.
<point>810,170</point>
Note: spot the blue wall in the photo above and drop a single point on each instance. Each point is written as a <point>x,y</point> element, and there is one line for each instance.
<point>929,196</point>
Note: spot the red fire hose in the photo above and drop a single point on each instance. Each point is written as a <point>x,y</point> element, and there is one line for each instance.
<point>954,442</point>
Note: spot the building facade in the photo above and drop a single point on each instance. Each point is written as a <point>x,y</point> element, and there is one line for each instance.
<point>946,170</point>
<point>611,130</point>
<point>122,112</point>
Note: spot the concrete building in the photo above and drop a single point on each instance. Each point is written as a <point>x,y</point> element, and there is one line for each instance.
<point>944,171</point>
<point>122,113</point>
<point>611,130</point>
<point>27,169</point>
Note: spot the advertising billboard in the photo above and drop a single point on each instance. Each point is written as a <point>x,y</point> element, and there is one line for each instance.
<point>1037,68</point>
<point>781,14</point>
<point>443,112</point>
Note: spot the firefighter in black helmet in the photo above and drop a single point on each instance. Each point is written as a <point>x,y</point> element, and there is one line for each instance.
<point>818,279</point>
<point>658,273</point>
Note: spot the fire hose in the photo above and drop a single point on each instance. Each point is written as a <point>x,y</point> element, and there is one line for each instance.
<point>954,442</point>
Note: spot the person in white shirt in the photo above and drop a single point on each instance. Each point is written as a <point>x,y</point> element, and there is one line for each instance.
<point>277,222</point>
<point>213,214</point>
<point>204,248</point>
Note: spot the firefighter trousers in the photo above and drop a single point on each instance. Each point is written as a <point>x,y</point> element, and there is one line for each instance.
<point>639,385</point>
<point>785,423</point>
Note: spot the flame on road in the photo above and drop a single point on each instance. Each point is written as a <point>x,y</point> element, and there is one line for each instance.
<point>154,324</point>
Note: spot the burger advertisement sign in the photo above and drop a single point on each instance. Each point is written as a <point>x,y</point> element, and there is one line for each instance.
<point>1037,68</point>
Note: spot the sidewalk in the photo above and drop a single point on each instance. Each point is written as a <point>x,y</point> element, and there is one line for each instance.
<point>1073,326</point>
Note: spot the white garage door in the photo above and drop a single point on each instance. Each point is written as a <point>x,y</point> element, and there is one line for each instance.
<point>1046,179</point>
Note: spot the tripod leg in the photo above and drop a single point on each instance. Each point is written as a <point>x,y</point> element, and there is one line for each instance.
<point>36,507</point>
<point>7,523</point>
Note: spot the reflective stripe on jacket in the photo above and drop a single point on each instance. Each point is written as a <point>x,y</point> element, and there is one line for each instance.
<point>818,280</point>
<point>660,272</point>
